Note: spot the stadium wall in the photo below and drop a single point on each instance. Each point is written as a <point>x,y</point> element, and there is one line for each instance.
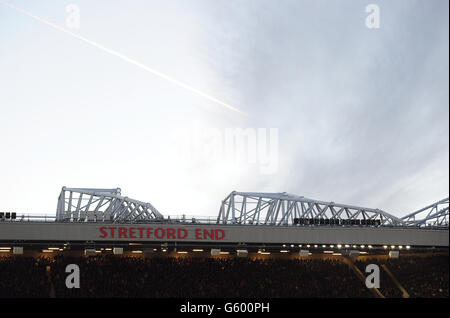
<point>210,233</point>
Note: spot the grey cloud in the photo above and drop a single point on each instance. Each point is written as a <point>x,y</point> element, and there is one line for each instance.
<point>359,110</point>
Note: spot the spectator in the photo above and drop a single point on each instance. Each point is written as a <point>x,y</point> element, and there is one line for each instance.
<point>112,276</point>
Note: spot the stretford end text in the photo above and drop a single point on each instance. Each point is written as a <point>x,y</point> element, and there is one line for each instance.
<point>118,232</point>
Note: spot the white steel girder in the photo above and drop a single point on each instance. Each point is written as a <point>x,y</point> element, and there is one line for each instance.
<point>436,214</point>
<point>94,205</point>
<point>283,208</point>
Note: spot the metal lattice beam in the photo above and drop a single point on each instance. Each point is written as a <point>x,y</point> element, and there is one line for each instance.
<point>93,205</point>
<point>436,214</point>
<point>283,208</point>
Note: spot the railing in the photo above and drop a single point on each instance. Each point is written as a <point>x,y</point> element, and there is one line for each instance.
<point>190,219</point>
<point>30,218</point>
<point>168,219</point>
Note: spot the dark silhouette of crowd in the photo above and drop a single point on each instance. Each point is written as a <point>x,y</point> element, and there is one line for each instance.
<point>24,277</point>
<point>387,286</point>
<point>193,277</point>
<point>208,277</point>
<point>421,277</point>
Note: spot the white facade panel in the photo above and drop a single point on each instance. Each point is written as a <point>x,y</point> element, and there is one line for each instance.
<point>34,231</point>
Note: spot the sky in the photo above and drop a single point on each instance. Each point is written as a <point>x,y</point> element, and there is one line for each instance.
<point>339,111</point>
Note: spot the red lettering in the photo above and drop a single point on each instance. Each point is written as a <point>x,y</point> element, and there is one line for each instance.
<point>112,228</point>
<point>220,234</point>
<point>207,233</point>
<point>180,232</point>
<point>171,233</point>
<point>159,233</point>
<point>104,233</point>
<point>123,232</point>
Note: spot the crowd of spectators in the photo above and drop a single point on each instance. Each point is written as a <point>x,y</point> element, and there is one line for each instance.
<point>421,277</point>
<point>192,277</point>
<point>24,277</point>
<point>209,277</point>
<point>387,286</point>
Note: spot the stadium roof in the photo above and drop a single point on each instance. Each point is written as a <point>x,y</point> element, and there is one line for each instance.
<point>104,204</point>
<point>283,208</point>
<point>255,208</point>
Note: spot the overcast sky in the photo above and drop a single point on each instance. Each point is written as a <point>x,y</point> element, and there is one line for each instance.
<point>362,113</point>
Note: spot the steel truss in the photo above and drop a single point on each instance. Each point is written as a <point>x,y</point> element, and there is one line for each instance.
<point>94,205</point>
<point>283,208</point>
<point>435,214</point>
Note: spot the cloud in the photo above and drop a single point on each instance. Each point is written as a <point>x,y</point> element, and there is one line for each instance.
<point>362,113</point>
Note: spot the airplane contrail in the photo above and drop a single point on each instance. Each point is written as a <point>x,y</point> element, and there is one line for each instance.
<point>127,59</point>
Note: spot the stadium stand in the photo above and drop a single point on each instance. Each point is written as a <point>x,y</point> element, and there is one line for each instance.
<point>421,277</point>
<point>388,288</point>
<point>277,245</point>
<point>192,277</point>
<point>24,277</point>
